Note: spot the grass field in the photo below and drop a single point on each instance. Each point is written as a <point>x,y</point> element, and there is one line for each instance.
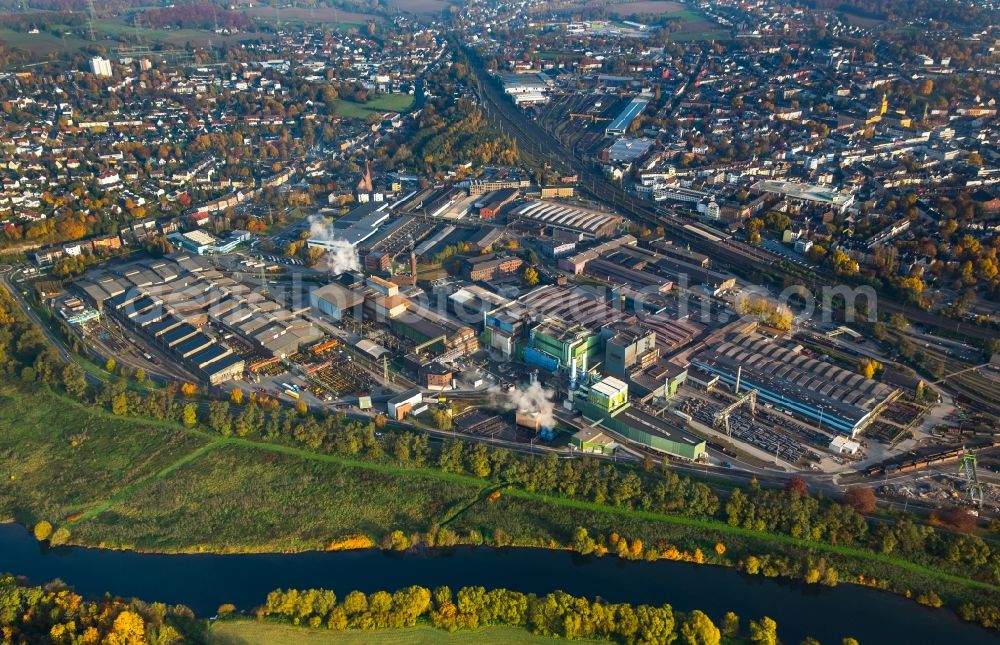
<point>239,499</point>
<point>111,34</point>
<point>245,632</point>
<point>44,476</point>
<point>379,104</point>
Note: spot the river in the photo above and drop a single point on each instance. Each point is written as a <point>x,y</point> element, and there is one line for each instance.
<point>203,582</point>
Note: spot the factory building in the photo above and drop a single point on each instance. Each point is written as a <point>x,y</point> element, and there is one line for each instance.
<point>572,305</point>
<point>828,396</point>
<point>336,300</point>
<point>172,301</point>
<point>556,344</point>
<point>585,223</point>
<point>628,349</point>
<point>605,404</point>
<point>486,268</point>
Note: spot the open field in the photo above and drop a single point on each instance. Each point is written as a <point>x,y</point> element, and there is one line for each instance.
<point>43,44</point>
<point>653,7</point>
<point>384,103</point>
<point>235,498</point>
<point>308,15</point>
<point>113,33</point>
<point>245,632</point>
<point>425,7</point>
<point>43,475</point>
<point>326,17</point>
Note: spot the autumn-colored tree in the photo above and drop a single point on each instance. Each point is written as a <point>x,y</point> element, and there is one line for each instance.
<point>764,631</point>
<point>128,629</point>
<point>698,629</point>
<point>956,517</point>
<point>860,498</point>
<point>43,530</point>
<point>236,396</point>
<point>190,415</point>
<point>189,390</point>
<point>797,485</point>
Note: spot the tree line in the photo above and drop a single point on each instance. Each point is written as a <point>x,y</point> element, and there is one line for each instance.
<point>557,614</point>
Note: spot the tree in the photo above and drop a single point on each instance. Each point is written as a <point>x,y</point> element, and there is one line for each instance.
<point>189,390</point>
<point>110,365</point>
<point>843,264</point>
<point>479,462</point>
<point>764,632</point>
<point>74,380</point>
<point>957,517</point>
<point>442,418</point>
<point>236,396</point>
<point>698,629</point>
<point>753,227</point>
<point>798,485</point>
<point>860,498</point>
<point>530,277</point>
<point>868,367</point>
<point>129,629</point>
<point>190,415</point>
<point>60,536</point>
<point>730,625</point>
<point>140,375</point>
<point>43,530</point>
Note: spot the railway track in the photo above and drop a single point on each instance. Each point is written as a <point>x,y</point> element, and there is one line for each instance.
<point>542,147</point>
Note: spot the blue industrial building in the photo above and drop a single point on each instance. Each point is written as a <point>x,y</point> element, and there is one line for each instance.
<point>795,382</point>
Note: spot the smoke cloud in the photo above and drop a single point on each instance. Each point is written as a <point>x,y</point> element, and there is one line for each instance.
<point>340,256</point>
<point>533,398</point>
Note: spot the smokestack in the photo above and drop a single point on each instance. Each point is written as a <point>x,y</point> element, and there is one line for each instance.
<point>572,373</point>
<point>583,367</point>
<point>739,375</point>
<point>413,267</point>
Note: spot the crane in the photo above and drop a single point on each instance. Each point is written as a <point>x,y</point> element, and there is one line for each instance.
<point>967,468</point>
<point>722,416</point>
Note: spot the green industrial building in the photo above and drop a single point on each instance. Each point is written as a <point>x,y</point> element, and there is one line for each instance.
<point>566,342</point>
<point>606,404</point>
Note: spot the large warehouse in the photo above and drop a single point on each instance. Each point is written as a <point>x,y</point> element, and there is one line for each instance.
<point>172,300</point>
<point>819,392</point>
<point>590,224</point>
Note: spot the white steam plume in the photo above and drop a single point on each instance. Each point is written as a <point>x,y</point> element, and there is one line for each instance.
<point>533,398</point>
<point>340,256</point>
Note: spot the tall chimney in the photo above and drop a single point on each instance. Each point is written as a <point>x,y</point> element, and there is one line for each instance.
<point>739,375</point>
<point>413,267</point>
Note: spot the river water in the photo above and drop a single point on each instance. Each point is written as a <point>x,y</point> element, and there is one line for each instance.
<point>203,582</point>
